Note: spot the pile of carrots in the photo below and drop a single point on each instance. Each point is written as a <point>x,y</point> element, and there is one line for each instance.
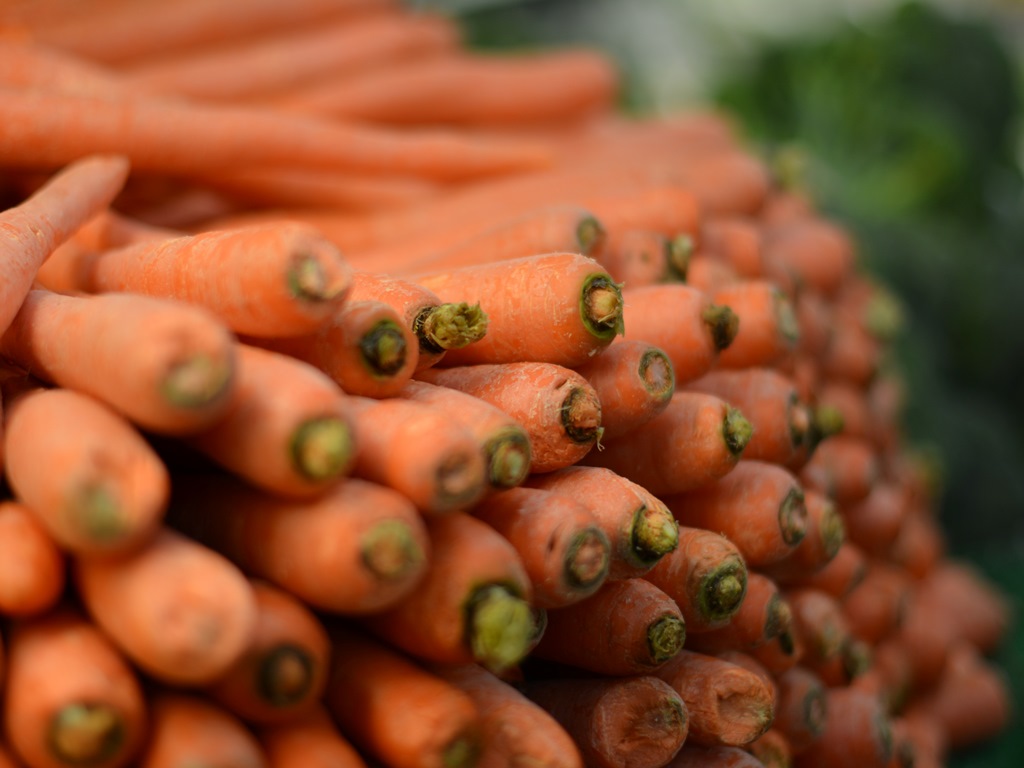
<point>368,400</point>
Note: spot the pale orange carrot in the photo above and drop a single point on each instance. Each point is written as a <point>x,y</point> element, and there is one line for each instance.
<point>312,741</point>
<point>32,570</point>
<point>768,327</point>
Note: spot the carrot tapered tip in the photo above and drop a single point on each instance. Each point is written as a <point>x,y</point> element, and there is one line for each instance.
<point>581,415</point>
<point>723,324</point>
<point>654,533</point>
<point>383,349</point>
<point>587,559</point>
<point>665,638</point>
<point>500,626</point>
<point>508,458</point>
<point>736,430</point>
<point>722,591</point>
<point>323,448</point>
<point>601,306</point>
<point>197,382</point>
<point>590,235</point>
<point>657,374</point>
<point>390,550</point>
<point>451,325</point>
<point>285,676</point>
<point>793,517</point>
<point>678,252</point>
<point>86,734</point>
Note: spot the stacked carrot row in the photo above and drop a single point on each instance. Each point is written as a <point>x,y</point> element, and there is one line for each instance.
<point>401,405</point>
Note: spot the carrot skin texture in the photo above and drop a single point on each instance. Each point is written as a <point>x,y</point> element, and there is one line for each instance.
<point>857,733</point>
<point>312,741</point>
<point>762,616</point>
<point>768,327</point>
<point>32,569</point>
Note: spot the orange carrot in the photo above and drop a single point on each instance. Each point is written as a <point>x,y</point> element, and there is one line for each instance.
<point>749,663</point>
<point>801,707</point>
<point>628,627</point>
<point>174,363</point>
<point>436,726</point>
<point>640,527</point>
<point>874,522</point>
<point>634,381</point>
<point>28,65</point>
<point>6,758</point>
<point>850,402</point>
<point>890,675</point>
<point>852,354</point>
<point>824,631</point>
<point>131,597</point>
<point>814,252</point>
<point>768,327</point>
<point>683,322</point>
<point>637,721</point>
<point>772,749</point>
<point>561,545</point>
<point>980,612</point>
<point>33,229</point>
<point>814,315</point>
<point>839,575</point>
<point>779,654</point>
<point>696,756</point>
<point>70,698</point>
<point>786,205</point>
<point>371,546</point>
<point>188,730</point>
<point>845,468</point>
<point>825,534</point>
<point>556,406</point>
<point>637,257</point>
<point>734,241</point>
<point>97,489</point>
<point>515,730</point>
<point>709,274</point>
<point>728,704</point>
<point>920,545</point>
<point>762,616</point>
<point>472,605</point>
<point>857,733</point>
<point>573,312</point>
<point>694,441</point>
<point>312,741</point>
<point>408,446</point>
<point>875,607</point>
<point>32,575</point>
<point>283,670</point>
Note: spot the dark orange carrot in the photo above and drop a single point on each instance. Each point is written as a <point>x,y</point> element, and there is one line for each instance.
<point>874,522</point>
<point>826,533</point>
<point>814,252</point>
<point>33,229</point>
<point>852,354</point>
<point>762,616</point>
<point>515,730</point>
<point>283,670</point>
<point>857,733</point>
<point>311,741</point>
<point>850,402</point>
<point>728,704</point>
<point>890,675</point>
<point>188,730</point>
<point>779,654</point>
<point>767,324</point>
<point>920,545</point>
<point>364,346</point>
<point>683,322</point>
<point>845,468</point>
<point>98,488</point>
<point>628,627</point>
<point>31,566</point>
<point>637,257</point>
<point>819,621</point>
<point>574,309</point>
<point>735,241</point>
<point>709,274</point>
<point>772,749</point>
<point>886,402</point>
<point>801,707</point>
<point>556,406</point>
<point>840,574</point>
<point>696,756</point>
<point>814,318</point>
<point>289,428</point>
<point>70,698</point>
<point>7,758</point>
<point>420,452</point>
<point>785,205</point>
<point>705,576</point>
<point>694,441</point>
<point>979,611</point>
<point>436,726</point>
<point>472,604</point>
<point>131,597</point>
<point>174,363</point>
<point>638,721</point>
<point>358,548</point>
<point>640,527</point>
<point>634,381</point>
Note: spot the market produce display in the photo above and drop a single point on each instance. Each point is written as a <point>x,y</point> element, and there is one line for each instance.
<point>368,400</point>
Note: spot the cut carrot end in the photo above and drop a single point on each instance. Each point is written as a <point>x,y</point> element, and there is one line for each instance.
<point>722,591</point>
<point>801,421</point>
<point>383,349</point>
<point>884,317</point>
<point>793,517</point>
<point>508,458</point>
<point>678,252</point>
<point>308,281</point>
<point>285,676</point>
<point>770,754</point>
<point>461,752</point>
<point>451,325</point>
<point>723,324</point>
<point>789,326</point>
<point>590,235</point>
<point>601,306</point>
<point>587,559</point>
<point>653,534</point>
<point>827,421</point>
<point>390,551</point>
<point>736,431</point>
<point>787,642</point>
<point>833,530</point>
<point>657,374</point>
<point>779,619</point>
<point>665,638</point>
<point>857,657</point>
<point>581,416</point>
<point>500,626</point>
<point>458,481</point>
<point>815,710</point>
<point>322,448</point>
<point>86,734</point>
<point>100,515</point>
<point>197,382</point>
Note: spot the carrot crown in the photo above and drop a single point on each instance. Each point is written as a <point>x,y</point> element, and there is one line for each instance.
<point>451,325</point>
<point>653,534</point>
<point>197,382</point>
<point>581,416</point>
<point>793,517</point>
<point>499,626</point>
<point>722,590</point>
<point>508,458</point>
<point>308,281</point>
<point>590,235</point>
<point>285,675</point>
<point>657,374</point>
<point>601,306</point>
<point>678,252</point>
<point>86,734</point>
<point>322,448</point>
<point>390,551</point>
<point>723,324</point>
<point>665,638</point>
<point>382,349</point>
<point>736,431</point>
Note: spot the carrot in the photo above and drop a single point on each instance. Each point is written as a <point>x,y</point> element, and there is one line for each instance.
<point>312,741</point>
<point>33,229</point>
<point>174,363</point>
<point>637,257</point>
<point>628,627</point>
<point>32,576</point>
<point>801,707</point>
<point>6,759</point>
<point>556,406</point>
<point>562,547</point>
<point>980,612</point>
<point>815,253</point>
<point>418,451</point>
<point>640,527</point>
<point>28,65</point>
<point>574,309</point>
<point>852,354</point>
<point>749,663</point>
<point>709,274</point>
<point>840,574</point>
<point>471,606</point>
<point>780,653</point>
<point>857,733</point>
<point>845,468</point>
<point>920,544</point>
<point>762,616</point>
<point>283,670</point>
<point>819,621</point>
<point>786,205</point>
<point>515,730</point>
<point>772,749</point>
<point>371,545</point>
<point>728,704</point>
<point>781,421</point>
<point>634,381</point>
<point>193,140</point>
<point>768,327</point>
<point>187,730</point>
<point>814,315</point>
<point>850,402</point>
<point>696,756</point>
<point>735,241</point>
<point>683,322</point>
<point>364,346</point>
<point>705,576</point>
<point>70,698</point>
<point>694,441</point>
<point>265,281</point>
<point>874,522</point>
<point>879,311</point>
<point>396,711</point>
<point>131,597</point>
<point>890,675</point>
<point>637,721</point>
<point>438,326</point>
<point>826,533</point>
<point>111,490</point>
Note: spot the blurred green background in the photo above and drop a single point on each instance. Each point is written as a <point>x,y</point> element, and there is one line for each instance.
<point>906,124</point>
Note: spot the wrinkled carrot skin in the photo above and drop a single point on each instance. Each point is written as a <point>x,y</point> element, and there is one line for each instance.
<point>372,547</point>
<point>762,616</point>
<point>312,741</point>
<point>32,570</point>
<point>768,327</point>
<point>857,733</point>
<point>801,707</point>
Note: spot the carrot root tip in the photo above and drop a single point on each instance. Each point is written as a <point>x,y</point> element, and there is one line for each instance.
<point>722,591</point>
<point>451,325</point>
<point>601,306</point>
<point>308,281</point>
<point>665,638</point>
<point>657,374</point>
<point>323,448</point>
<point>508,458</point>
<point>653,534</point>
<point>285,675</point>
<point>723,324</point>
<point>383,349</point>
<point>587,559</point>
<point>736,431</point>
<point>390,551</point>
<point>197,382</point>
<point>461,752</point>
<point>779,619</point>
<point>86,734</point>
<point>581,416</point>
<point>678,252</point>
<point>501,627</point>
<point>590,235</point>
<point>793,517</point>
